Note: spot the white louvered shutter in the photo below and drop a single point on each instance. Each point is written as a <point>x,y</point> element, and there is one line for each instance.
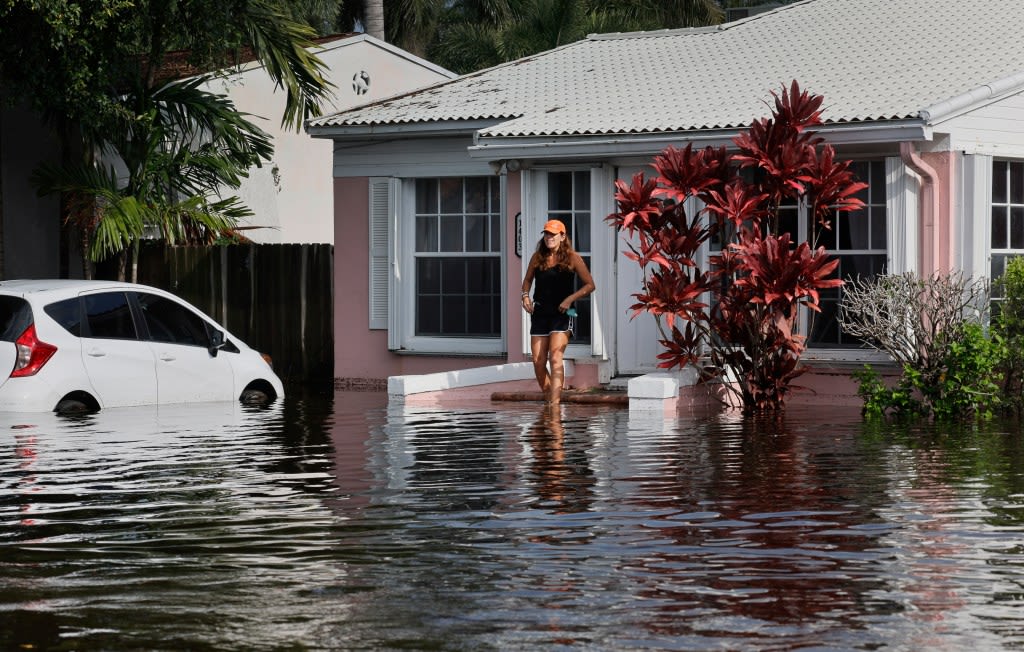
<point>380,264</point>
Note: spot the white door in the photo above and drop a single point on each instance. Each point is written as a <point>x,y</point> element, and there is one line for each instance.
<point>636,339</point>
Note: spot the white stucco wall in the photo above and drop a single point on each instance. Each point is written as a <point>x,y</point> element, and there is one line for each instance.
<point>292,196</point>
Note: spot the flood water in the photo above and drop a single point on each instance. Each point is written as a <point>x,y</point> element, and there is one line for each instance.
<point>335,522</point>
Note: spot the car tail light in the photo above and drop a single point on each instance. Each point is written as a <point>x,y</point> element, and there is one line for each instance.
<point>32,353</point>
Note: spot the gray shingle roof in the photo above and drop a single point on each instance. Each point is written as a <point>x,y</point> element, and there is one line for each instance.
<point>871,59</point>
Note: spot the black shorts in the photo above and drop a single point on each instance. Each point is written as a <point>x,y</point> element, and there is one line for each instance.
<point>547,323</point>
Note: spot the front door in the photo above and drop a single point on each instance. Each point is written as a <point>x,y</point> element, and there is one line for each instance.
<point>636,339</point>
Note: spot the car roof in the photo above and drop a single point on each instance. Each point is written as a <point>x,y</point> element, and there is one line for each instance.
<point>64,287</point>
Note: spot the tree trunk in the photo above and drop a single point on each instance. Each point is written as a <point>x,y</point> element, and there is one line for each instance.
<point>3,274</point>
<point>373,18</point>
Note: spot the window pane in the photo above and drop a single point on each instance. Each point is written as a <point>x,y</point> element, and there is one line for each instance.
<point>453,315</point>
<point>827,237</point>
<point>451,233</point>
<point>1000,236</point>
<point>453,276</point>
<point>853,230</point>
<point>109,316</point>
<point>482,276</point>
<point>582,190</point>
<point>476,232</point>
<point>1017,182</point>
<point>1017,227</point>
<point>476,195</point>
<point>428,276</point>
<point>878,231</point>
<point>581,240</point>
<point>788,222</point>
<point>426,196</point>
<point>426,233</point>
<point>560,191</point>
<point>428,314</point>
<point>451,195</point>
<point>495,231</point>
<point>67,313</point>
<point>999,170</point>
<point>172,323</point>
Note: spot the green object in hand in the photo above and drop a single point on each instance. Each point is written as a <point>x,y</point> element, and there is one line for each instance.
<point>571,312</point>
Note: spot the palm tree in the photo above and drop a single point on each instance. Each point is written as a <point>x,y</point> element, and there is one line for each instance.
<point>179,144</point>
<point>475,34</point>
<point>176,143</point>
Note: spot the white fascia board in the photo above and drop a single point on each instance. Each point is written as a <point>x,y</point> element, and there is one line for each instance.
<point>575,146</point>
<point>405,129</point>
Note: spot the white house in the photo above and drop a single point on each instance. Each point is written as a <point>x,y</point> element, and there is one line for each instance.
<point>292,196</point>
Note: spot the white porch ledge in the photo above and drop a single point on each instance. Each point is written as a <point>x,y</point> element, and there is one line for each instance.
<point>659,391</point>
<point>402,386</point>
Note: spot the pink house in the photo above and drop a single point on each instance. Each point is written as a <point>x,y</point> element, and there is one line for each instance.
<point>440,193</point>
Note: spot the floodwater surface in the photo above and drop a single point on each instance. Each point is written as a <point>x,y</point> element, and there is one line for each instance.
<point>335,522</point>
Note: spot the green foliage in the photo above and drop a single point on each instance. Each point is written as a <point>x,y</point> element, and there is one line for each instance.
<point>880,399</point>
<point>967,386</point>
<point>1008,322</point>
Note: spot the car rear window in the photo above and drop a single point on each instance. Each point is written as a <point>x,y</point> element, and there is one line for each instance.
<point>15,317</point>
<point>67,313</point>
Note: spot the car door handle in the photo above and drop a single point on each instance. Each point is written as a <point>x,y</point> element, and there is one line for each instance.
<point>96,353</point>
<point>167,357</point>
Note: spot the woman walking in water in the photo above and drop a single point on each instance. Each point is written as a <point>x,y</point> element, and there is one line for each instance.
<point>554,266</point>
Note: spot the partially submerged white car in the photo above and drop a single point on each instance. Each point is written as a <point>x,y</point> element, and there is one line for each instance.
<point>74,346</point>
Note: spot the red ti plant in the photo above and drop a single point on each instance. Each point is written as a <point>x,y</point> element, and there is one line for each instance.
<point>736,318</point>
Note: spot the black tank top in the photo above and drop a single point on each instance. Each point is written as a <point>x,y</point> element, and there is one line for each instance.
<point>551,287</point>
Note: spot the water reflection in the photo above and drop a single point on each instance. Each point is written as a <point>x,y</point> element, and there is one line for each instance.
<point>336,521</point>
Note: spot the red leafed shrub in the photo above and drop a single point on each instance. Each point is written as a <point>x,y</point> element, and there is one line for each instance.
<point>735,319</point>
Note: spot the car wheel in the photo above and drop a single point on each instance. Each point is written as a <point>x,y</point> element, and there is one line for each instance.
<point>71,406</point>
<point>255,397</point>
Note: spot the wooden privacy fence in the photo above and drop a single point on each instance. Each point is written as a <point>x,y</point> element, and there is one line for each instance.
<point>277,298</point>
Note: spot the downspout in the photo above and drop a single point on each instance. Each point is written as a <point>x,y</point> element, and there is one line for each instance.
<point>929,264</point>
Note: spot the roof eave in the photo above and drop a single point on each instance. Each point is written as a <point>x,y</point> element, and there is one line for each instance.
<point>492,148</point>
<point>405,129</point>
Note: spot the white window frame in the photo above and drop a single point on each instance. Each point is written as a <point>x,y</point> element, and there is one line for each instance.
<point>401,319</point>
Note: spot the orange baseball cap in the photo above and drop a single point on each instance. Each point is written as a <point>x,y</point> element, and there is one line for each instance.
<point>554,226</point>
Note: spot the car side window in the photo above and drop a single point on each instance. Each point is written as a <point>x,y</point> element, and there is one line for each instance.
<point>67,313</point>
<point>109,316</point>
<point>171,322</point>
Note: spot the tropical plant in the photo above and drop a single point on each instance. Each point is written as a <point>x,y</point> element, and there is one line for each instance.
<point>178,143</point>
<point>100,72</point>
<point>737,318</point>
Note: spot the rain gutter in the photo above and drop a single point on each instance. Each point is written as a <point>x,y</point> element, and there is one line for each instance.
<point>929,207</point>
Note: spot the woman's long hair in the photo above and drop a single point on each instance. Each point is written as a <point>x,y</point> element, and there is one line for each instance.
<point>563,255</point>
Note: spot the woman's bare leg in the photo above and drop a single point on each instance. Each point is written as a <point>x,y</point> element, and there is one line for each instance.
<point>556,351</point>
<point>539,351</point>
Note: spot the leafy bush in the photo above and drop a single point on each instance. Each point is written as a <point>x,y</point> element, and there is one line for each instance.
<point>932,329</point>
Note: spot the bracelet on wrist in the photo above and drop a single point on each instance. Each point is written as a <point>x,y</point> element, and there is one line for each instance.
<point>526,294</point>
